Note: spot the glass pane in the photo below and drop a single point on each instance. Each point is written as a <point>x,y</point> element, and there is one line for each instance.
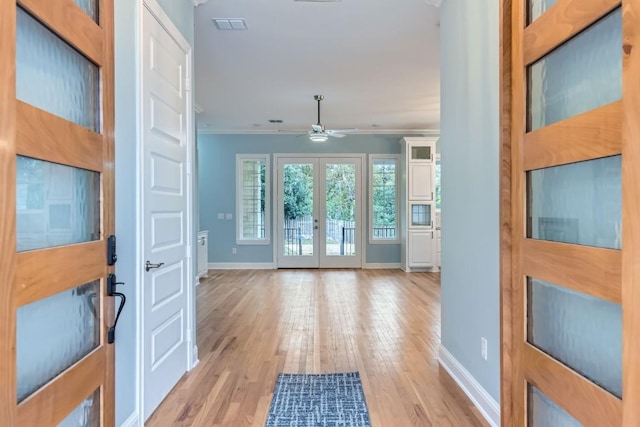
<point>543,412</point>
<point>421,153</point>
<point>56,205</point>
<point>341,209</point>
<point>421,215</point>
<point>87,414</point>
<point>253,199</point>
<point>298,209</point>
<point>438,184</point>
<point>54,333</point>
<point>583,332</point>
<point>384,198</point>
<point>90,7</point>
<point>577,203</point>
<point>583,74</point>
<point>538,7</point>
<point>53,76</point>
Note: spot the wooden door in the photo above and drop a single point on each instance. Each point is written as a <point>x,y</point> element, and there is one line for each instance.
<point>56,210</point>
<point>570,198</point>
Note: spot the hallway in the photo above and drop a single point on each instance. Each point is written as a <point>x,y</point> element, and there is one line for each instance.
<point>254,324</point>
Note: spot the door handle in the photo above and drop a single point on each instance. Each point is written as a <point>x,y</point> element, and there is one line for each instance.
<point>148,266</point>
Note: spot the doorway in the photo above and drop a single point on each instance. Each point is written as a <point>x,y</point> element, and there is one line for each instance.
<point>319,211</point>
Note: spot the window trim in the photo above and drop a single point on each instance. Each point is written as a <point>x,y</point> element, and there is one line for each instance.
<point>371,239</point>
<point>240,158</point>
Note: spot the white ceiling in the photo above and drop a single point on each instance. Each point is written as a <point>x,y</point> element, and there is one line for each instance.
<point>376,62</point>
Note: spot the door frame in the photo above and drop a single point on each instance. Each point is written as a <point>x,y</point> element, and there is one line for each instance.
<point>276,203</point>
<point>190,327</point>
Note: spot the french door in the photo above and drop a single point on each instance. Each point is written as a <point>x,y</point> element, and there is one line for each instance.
<point>56,211</point>
<point>319,212</point>
<point>571,317</point>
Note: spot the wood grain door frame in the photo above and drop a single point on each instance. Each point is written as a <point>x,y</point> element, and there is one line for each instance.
<point>26,130</point>
<point>513,149</point>
<point>165,21</point>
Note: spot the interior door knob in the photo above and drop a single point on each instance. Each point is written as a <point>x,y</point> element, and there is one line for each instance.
<point>148,265</point>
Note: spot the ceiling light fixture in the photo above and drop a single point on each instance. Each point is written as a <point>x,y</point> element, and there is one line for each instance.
<point>318,138</point>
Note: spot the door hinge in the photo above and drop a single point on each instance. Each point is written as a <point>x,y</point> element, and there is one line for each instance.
<point>187,250</point>
<point>187,84</point>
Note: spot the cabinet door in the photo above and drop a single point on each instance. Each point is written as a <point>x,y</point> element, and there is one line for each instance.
<point>420,248</point>
<point>421,181</point>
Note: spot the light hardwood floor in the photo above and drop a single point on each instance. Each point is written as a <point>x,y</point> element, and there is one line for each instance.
<point>254,324</point>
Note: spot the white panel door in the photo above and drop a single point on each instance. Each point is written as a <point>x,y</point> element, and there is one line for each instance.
<point>165,141</point>
<point>421,177</point>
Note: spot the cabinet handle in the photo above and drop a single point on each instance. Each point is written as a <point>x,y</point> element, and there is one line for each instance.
<point>432,195</point>
<point>432,234</point>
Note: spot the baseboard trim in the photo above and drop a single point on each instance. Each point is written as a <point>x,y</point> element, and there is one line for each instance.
<point>195,360</point>
<point>381,266</point>
<point>132,421</point>
<point>241,266</point>
<point>487,406</point>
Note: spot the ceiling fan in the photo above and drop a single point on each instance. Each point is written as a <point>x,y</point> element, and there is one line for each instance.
<point>318,133</point>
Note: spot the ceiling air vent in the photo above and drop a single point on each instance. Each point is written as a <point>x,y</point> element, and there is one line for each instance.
<point>230,24</point>
<point>275,121</point>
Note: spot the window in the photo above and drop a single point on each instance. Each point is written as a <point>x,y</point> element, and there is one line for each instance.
<point>383,199</point>
<point>252,194</point>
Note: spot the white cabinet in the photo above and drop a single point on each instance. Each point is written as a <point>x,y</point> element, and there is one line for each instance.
<point>421,245</point>
<point>421,180</point>
<point>202,252</point>
<point>417,204</point>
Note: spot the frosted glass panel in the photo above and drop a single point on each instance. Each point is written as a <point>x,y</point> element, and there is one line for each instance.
<point>90,7</point>
<point>56,205</point>
<point>340,209</point>
<point>538,7</point>
<point>543,412</point>
<point>583,332</point>
<point>53,76</point>
<point>87,414</point>
<point>583,74</point>
<point>577,203</point>
<point>54,333</point>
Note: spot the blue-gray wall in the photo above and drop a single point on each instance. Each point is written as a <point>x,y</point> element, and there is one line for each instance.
<point>217,191</point>
<point>126,88</point>
<point>470,186</point>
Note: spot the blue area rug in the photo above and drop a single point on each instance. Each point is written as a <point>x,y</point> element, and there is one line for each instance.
<point>318,400</point>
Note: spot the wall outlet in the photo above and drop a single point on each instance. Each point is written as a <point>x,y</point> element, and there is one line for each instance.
<point>228,216</point>
<point>234,251</point>
<point>483,348</point>
<point>220,215</point>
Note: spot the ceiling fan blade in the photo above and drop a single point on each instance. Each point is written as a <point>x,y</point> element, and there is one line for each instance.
<point>336,135</point>
<point>316,128</point>
<point>351,130</point>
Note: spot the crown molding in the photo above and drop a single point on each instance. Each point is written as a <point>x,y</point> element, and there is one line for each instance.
<point>406,132</point>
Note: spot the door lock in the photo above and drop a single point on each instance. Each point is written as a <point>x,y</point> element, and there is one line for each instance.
<point>148,266</point>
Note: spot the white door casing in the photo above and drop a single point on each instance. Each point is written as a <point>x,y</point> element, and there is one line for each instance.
<point>166,222</point>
